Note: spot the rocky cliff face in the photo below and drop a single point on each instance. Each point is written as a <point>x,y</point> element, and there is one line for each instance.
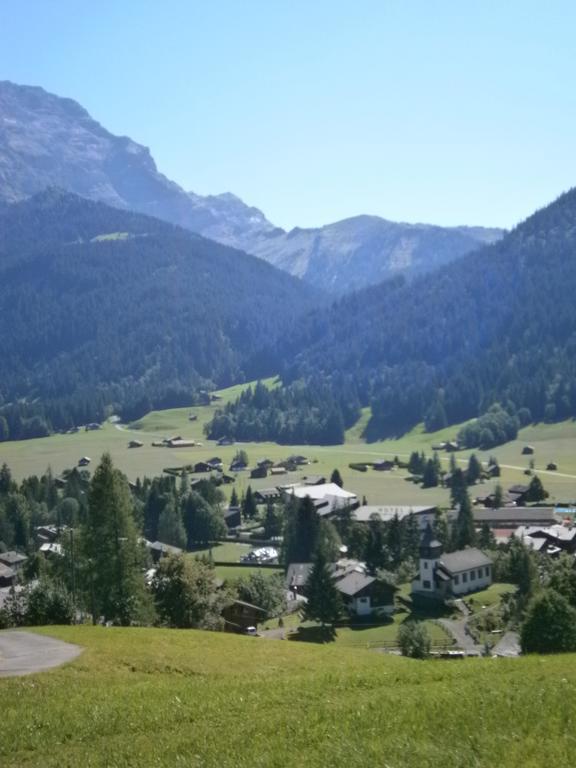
<point>48,141</point>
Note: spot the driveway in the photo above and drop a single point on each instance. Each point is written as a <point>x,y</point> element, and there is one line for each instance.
<point>457,628</point>
<point>23,653</point>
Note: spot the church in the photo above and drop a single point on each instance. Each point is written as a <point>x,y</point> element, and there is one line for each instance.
<point>442,576</point>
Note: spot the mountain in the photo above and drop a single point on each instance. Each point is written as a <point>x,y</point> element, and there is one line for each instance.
<point>495,328</point>
<point>365,250</point>
<point>101,307</point>
<point>49,141</point>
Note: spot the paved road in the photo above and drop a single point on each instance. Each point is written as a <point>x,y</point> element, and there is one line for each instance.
<point>457,628</point>
<point>23,653</point>
<point>508,646</point>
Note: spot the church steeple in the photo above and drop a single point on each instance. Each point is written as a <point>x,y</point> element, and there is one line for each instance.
<point>430,547</point>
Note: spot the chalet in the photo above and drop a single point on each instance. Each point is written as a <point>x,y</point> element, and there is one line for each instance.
<point>550,540</point>
<point>299,461</point>
<point>202,466</point>
<point>442,576</point>
<point>233,517</point>
<point>224,479</point>
<point>513,517</point>
<point>192,417</point>
<point>518,493</point>
<point>178,442</point>
<point>266,495</point>
<point>84,461</point>
<point>490,500</point>
<point>268,463</point>
<point>238,466</point>
<point>7,576</point>
<point>92,427</point>
<point>240,616</point>
<point>383,465</point>
<point>215,462</point>
<point>528,450</point>
<point>135,444</point>
<point>332,496</point>
<point>451,446</point>
<point>314,480</point>
<point>259,472</point>
<point>158,550</point>
<point>46,533</point>
<point>278,471</point>
<point>225,441</point>
<point>51,550</point>
<point>13,559</point>
<point>364,595</point>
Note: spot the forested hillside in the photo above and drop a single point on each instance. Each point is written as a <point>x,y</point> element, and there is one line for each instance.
<point>103,309</point>
<point>499,327</point>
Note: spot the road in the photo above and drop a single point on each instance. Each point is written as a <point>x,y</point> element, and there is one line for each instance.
<point>457,628</point>
<point>24,653</point>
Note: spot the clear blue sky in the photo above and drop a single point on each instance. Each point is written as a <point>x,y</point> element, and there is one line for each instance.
<point>445,111</point>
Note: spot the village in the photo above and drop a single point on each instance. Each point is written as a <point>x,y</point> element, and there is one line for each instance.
<point>391,565</point>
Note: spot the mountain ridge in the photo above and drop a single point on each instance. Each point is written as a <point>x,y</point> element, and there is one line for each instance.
<point>47,140</point>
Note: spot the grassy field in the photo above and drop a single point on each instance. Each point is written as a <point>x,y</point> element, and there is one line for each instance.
<point>555,442</point>
<point>142,697</point>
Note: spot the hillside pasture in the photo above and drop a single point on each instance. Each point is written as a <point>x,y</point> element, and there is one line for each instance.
<point>153,697</point>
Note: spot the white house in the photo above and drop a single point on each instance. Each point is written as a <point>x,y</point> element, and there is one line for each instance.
<point>331,494</point>
<point>386,512</point>
<point>449,575</point>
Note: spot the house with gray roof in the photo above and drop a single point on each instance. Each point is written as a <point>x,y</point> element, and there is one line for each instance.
<point>442,576</point>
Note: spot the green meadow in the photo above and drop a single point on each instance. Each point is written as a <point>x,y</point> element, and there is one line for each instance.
<point>144,698</point>
<point>552,442</point>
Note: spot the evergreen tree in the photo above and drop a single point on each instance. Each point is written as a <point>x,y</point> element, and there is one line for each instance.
<point>442,529</point>
<point>375,555</point>
<point>234,498</point>
<point>430,477</point>
<point>486,539</point>
<point>394,541</point>
<point>536,490</point>
<point>474,471</point>
<point>464,532</point>
<point>324,601</point>
<point>301,534</point>
<point>249,508</point>
<point>203,524</point>
<point>110,546</point>
<point>458,487</point>
<point>336,477</point>
<point>273,521</point>
<point>170,526</point>
<point>498,496</point>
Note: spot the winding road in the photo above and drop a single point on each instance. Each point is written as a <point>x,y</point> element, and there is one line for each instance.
<point>24,653</point>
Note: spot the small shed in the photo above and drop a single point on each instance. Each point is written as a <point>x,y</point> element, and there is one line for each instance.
<point>84,461</point>
<point>528,450</point>
<point>135,444</point>
<point>552,466</point>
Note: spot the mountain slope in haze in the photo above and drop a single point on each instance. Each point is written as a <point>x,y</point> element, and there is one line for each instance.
<point>100,306</point>
<point>48,141</point>
<point>498,327</point>
<point>365,250</point>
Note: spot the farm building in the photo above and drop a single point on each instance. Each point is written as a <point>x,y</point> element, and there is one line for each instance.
<point>329,494</point>
<point>513,517</point>
<point>383,465</point>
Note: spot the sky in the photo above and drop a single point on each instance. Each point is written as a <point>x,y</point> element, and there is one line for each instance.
<point>439,111</point>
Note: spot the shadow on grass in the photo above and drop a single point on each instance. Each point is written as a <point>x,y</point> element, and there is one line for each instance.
<point>326,634</point>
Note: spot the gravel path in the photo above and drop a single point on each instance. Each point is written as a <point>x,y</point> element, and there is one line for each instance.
<point>23,653</point>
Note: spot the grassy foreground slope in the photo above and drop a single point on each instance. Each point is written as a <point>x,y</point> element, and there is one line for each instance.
<point>144,697</point>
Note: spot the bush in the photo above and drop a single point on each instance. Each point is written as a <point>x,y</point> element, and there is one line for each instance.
<point>414,640</point>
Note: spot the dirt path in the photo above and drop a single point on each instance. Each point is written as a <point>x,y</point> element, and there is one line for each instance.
<point>24,653</point>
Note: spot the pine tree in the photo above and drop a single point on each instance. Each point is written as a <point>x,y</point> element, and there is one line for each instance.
<point>536,490</point>
<point>234,498</point>
<point>486,539</point>
<point>430,477</point>
<point>474,470</point>
<point>324,601</point>
<point>464,530</point>
<point>249,508</point>
<point>336,477</point>
<point>170,526</point>
<point>110,548</point>
<point>498,496</point>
